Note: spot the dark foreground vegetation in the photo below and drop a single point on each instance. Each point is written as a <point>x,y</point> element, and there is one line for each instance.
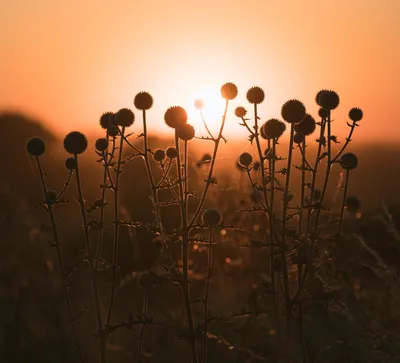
<point>288,252</point>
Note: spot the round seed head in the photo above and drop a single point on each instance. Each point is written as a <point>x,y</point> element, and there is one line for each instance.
<point>51,197</point>
<point>255,95</point>
<point>212,217</point>
<point>257,166</point>
<point>175,116</point>
<point>35,146</point>
<point>75,143</point>
<point>159,155</point>
<point>239,166</point>
<point>353,203</point>
<point>245,159</point>
<point>293,111</point>
<point>328,99</point>
<point>355,114</point>
<point>171,152</point>
<point>306,126</point>
<point>298,138</point>
<point>101,144</point>
<point>106,119</point>
<point>348,161</point>
<point>124,117</point>
<point>70,164</point>
<point>240,111</point>
<point>262,132</point>
<point>186,132</point>
<point>199,104</point>
<point>112,130</point>
<point>229,91</point>
<point>322,113</point>
<point>273,128</point>
<point>143,101</point>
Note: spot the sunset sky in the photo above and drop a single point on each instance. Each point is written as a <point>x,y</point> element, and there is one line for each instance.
<point>67,62</point>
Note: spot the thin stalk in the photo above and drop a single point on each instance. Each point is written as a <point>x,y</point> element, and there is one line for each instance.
<point>284,221</point>
<point>185,254</point>
<point>116,230</point>
<point>57,245</point>
<point>92,271</point>
<point>348,139</point>
<point>339,231</point>
<point>303,186</point>
<point>207,291</point>
<point>142,328</point>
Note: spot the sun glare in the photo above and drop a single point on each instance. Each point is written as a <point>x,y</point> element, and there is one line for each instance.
<point>212,110</point>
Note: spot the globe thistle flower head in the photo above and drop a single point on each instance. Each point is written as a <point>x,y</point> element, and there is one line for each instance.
<point>293,111</point>
<point>143,101</point>
<point>229,91</point>
<point>262,132</point>
<point>75,143</point>
<point>299,138</point>
<point>186,132</point>
<point>124,117</point>
<point>355,114</point>
<point>51,197</point>
<point>106,120</point>
<point>257,166</point>
<point>240,112</point>
<point>255,95</point>
<point>322,113</point>
<point>199,104</point>
<point>274,128</point>
<point>348,161</point>
<point>101,144</point>
<point>171,153</point>
<point>353,203</point>
<point>212,217</point>
<point>159,155</point>
<point>175,117</point>
<point>328,100</point>
<point>70,163</point>
<point>306,126</point>
<point>112,131</point>
<point>245,159</point>
<point>36,146</point>
<point>239,166</point>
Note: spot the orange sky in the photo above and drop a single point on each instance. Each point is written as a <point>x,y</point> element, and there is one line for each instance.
<point>66,62</point>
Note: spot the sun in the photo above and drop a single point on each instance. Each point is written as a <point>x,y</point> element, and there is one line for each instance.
<point>212,110</point>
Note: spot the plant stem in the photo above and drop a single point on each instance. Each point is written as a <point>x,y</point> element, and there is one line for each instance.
<point>303,187</point>
<point>207,290</point>
<point>185,254</point>
<point>92,271</point>
<point>57,245</point>
<point>142,327</point>
<point>339,231</point>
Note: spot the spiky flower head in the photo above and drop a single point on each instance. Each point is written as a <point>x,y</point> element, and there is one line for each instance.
<point>199,104</point>
<point>51,197</point>
<point>257,166</point>
<point>229,91</point>
<point>101,144</point>
<point>245,159</point>
<point>143,101</point>
<point>36,146</point>
<point>124,117</point>
<point>298,138</point>
<point>306,126</point>
<point>70,163</point>
<point>240,112</point>
<point>348,161</point>
<point>353,203</point>
<point>159,155</point>
<point>239,166</point>
<point>273,128</point>
<point>112,131</point>
<point>255,95</point>
<point>171,152</point>
<point>175,116</point>
<point>75,143</point>
<point>262,132</point>
<point>106,120</point>
<point>355,114</point>
<point>322,113</point>
<point>186,132</point>
<point>211,217</point>
<point>293,111</point>
<point>328,99</point>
